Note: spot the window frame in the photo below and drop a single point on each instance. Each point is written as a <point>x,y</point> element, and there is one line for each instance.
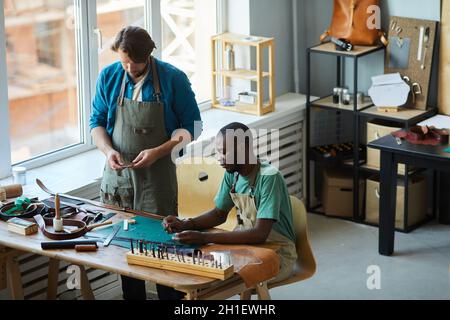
<point>87,73</point>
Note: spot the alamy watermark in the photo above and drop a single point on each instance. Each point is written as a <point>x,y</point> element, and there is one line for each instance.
<point>374,280</point>
<point>374,21</point>
<point>233,147</point>
<point>74,280</point>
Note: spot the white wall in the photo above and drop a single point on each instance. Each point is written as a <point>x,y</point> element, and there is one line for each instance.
<point>267,18</point>
<point>271,18</point>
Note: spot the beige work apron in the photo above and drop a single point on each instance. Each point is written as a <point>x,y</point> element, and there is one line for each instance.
<point>140,126</point>
<point>247,215</point>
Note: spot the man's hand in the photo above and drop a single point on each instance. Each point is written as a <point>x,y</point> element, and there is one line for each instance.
<point>115,160</point>
<point>191,237</point>
<point>146,158</point>
<point>172,224</point>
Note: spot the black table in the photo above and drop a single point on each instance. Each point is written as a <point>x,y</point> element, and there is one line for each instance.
<point>431,157</point>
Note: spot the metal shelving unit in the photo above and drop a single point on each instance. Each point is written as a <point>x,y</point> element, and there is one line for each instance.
<point>365,112</point>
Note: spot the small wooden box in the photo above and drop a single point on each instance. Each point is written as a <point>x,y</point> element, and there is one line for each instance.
<point>417,202</point>
<point>337,193</point>
<point>376,131</point>
<point>22,227</point>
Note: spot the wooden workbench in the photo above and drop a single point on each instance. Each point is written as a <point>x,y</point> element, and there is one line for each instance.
<point>110,259</point>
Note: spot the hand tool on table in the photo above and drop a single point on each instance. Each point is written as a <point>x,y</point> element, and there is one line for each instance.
<point>57,220</point>
<point>81,230</point>
<point>51,245</point>
<point>96,204</point>
<point>111,236</point>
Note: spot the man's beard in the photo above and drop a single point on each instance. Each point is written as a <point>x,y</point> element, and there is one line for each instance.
<point>140,74</point>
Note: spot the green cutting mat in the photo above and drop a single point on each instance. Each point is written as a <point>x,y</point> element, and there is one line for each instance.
<point>147,229</point>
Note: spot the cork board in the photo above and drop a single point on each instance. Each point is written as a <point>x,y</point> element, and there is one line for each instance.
<point>444,64</point>
<point>410,53</point>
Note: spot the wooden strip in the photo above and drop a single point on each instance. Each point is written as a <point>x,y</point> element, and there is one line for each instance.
<point>53,274</point>
<point>86,290</point>
<point>3,281</point>
<point>263,292</point>
<point>15,280</point>
<point>205,271</point>
<point>188,265</point>
<point>444,64</point>
<point>181,269</point>
<point>260,81</point>
<point>272,74</point>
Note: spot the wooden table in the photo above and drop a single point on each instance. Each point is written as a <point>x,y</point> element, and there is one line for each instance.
<point>110,259</point>
<point>421,156</point>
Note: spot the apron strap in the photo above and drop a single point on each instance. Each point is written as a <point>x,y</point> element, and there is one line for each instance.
<point>122,90</point>
<point>254,178</point>
<point>233,186</point>
<point>252,182</point>
<point>156,84</point>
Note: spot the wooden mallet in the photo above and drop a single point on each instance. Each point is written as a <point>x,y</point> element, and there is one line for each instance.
<point>57,221</point>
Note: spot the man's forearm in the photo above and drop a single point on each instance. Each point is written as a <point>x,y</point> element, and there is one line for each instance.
<point>208,220</point>
<point>181,136</point>
<point>102,140</point>
<point>236,237</point>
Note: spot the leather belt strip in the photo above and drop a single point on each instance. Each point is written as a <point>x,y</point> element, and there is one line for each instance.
<point>43,223</point>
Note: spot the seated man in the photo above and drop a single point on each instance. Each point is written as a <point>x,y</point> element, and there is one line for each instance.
<point>260,195</point>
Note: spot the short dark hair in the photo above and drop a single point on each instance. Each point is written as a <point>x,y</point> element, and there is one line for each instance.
<point>234,126</point>
<point>136,42</point>
<point>237,126</point>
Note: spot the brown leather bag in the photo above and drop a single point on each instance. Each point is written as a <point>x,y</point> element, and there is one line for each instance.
<point>349,22</point>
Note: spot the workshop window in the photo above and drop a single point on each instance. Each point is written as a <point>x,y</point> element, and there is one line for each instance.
<point>113,15</point>
<point>51,64</point>
<point>187,28</point>
<point>42,80</point>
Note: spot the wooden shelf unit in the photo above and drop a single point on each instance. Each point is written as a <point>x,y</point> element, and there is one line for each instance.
<point>261,107</point>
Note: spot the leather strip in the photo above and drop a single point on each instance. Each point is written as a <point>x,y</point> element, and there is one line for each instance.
<point>42,223</point>
<point>324,36</point>
<point>34,210</point>
<point>156,83</point>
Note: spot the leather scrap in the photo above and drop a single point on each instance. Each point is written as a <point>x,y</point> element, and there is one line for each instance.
<point>423,135</point>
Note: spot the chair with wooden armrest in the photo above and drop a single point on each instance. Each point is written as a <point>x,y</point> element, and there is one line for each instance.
<point>305,267</point>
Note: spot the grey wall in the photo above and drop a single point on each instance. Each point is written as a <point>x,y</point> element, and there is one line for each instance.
<point>315,16</point>
<point>274,18</point>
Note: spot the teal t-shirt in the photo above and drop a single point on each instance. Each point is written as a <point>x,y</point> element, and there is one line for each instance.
<point>271,197</point>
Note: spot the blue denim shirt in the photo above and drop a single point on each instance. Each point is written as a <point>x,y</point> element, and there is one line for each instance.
<point>180,107</point>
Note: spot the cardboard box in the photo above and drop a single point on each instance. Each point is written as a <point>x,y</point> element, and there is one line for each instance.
<point>417,201</point>
<point>375,131</point>
<point>337,193</point>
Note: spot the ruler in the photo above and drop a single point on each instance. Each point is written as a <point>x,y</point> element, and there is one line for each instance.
<point>111,236</point>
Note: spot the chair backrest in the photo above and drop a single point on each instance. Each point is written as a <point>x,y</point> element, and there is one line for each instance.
<point>306,263</point>
<point>199,180</point>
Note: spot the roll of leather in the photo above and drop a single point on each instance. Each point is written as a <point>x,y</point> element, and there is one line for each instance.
<point>66,244</point>
<point>12,191</point>
<point>2,194</point>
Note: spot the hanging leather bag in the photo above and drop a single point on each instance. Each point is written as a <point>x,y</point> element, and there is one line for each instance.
<point>351,20</point>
